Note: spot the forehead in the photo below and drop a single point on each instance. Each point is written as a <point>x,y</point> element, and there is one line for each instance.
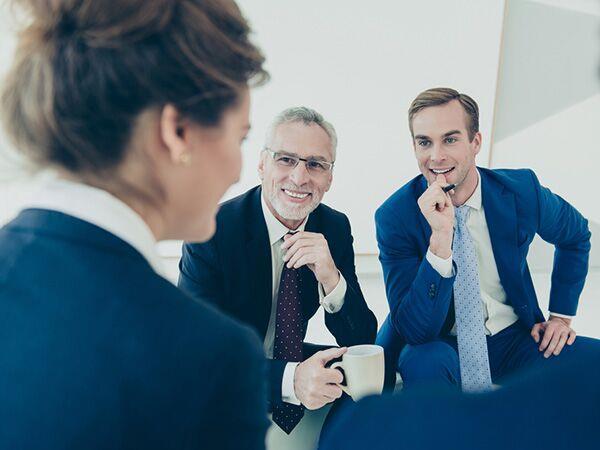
<point>303,140</point>
<point>437,120</point>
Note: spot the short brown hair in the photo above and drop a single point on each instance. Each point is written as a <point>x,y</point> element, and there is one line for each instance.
<point>441,96</point>
<point>85,69</point>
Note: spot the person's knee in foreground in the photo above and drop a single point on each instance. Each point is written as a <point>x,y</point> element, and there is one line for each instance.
<point>140,109</point>
<point>279,255</point>
<point>537,408</point>
<point>453,243</point>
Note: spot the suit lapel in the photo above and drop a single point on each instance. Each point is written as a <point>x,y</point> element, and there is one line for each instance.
<point>501,217</point>
<point>422,187</point>
<point>258,251</point>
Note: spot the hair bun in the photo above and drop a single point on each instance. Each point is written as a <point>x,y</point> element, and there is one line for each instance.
<point>99,22</point>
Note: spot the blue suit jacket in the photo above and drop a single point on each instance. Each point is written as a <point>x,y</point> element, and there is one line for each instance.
<point>516,208</point>
<point>233,271</point>
<point>99,352</point>
<point>551,408</point>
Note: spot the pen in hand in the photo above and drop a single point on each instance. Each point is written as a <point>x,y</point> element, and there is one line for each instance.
<point>449,187</point>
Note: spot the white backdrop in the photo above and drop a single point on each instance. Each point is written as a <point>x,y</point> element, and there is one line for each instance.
<point>360,64</point>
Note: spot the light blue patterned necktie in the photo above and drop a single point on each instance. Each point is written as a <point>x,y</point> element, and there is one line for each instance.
<point>472,345</point>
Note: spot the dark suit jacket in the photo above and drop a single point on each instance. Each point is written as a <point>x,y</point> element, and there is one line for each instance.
<point>551,408</point>
<point>97,351</point>
<point>233,271</point>
<point>516,208</point>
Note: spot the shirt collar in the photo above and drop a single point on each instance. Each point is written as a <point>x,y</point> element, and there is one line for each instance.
<point>99,208</point>
<point>474,200</point>
<point>275,228</point>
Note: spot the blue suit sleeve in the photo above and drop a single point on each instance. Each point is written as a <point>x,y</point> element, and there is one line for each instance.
<point>559,223</point>
<point>418,296</point>
<point>243,399</point>
<point>201,276</point>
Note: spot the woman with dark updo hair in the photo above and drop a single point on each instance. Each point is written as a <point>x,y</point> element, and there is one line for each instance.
<point>139,108</point>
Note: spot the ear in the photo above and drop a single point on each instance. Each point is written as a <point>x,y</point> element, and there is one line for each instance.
<point>329,181</point>
<point>173,132</point>
<point>261,166</point>
<point>476,143</point>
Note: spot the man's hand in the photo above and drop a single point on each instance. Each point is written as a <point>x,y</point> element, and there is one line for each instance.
<point>556,332</point>
<point>315,385</point>
<point>312,250</point>
<point>436,206</point>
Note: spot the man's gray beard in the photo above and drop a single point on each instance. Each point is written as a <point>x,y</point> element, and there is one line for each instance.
<point>291,213</point>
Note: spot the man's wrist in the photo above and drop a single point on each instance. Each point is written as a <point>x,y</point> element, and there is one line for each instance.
<point>288,385</point>
<point>440,244</point>
<point>330,282</point>
<point>565,320</point>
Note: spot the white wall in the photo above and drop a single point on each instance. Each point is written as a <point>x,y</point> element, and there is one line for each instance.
<point>360,64</point>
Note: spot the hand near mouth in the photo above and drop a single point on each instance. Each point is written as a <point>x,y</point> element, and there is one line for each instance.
<point>312,250</point>
<point>436,206</point>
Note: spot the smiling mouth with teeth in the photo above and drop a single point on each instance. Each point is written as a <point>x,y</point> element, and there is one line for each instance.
<point>298,195</point>
<point>441,171</point>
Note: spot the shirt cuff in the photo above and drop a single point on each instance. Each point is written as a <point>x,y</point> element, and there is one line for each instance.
<point>288,394</point>
<point>564,316</point>
<point>333,302</point>
<point>441,265</point>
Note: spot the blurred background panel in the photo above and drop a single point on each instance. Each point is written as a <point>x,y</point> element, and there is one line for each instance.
<point>548,103</point>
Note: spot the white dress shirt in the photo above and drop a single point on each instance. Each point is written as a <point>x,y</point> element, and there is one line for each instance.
<point>101,209</point>
<point>498,314</point>
<point>331,303</point>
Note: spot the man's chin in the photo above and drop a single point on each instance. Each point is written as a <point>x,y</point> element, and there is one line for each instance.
<point>293,213</point>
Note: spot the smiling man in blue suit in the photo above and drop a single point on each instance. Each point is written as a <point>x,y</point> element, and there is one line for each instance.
<point>454,259</point>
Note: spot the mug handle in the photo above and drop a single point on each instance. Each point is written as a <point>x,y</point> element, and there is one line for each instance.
<point>341,366</point>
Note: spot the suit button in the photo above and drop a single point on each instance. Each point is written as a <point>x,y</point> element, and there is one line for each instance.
<point>432,291</point>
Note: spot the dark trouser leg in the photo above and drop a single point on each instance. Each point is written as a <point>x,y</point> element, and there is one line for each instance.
<point>513,350</point>
<point>432,363</point>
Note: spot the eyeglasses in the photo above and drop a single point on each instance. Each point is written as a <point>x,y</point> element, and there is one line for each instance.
<point>287,161</point>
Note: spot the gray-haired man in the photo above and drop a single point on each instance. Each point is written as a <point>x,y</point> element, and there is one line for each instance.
<point>277,256</point>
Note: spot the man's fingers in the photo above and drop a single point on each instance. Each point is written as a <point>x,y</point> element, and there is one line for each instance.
<point>331,391</point>
<point>331,353</point>
<point>438,199</point>
<point>291,239</point>
<point>448,200</point>
<point>561,343</point>
<point>548,335</point>
<point>296,256</point>
<point>572,336</point>
<point>298,244</point>
<point>332,376</point>
<point>304,260</point>
<point>553,343</point>
<point>441,179</point>
<point>535,332</point>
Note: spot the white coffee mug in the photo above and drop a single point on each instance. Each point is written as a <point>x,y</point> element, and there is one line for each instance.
<point>364,370</point>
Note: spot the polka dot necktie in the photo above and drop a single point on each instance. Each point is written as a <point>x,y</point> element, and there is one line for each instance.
<point>288,340</point>
<point>472,345</point>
